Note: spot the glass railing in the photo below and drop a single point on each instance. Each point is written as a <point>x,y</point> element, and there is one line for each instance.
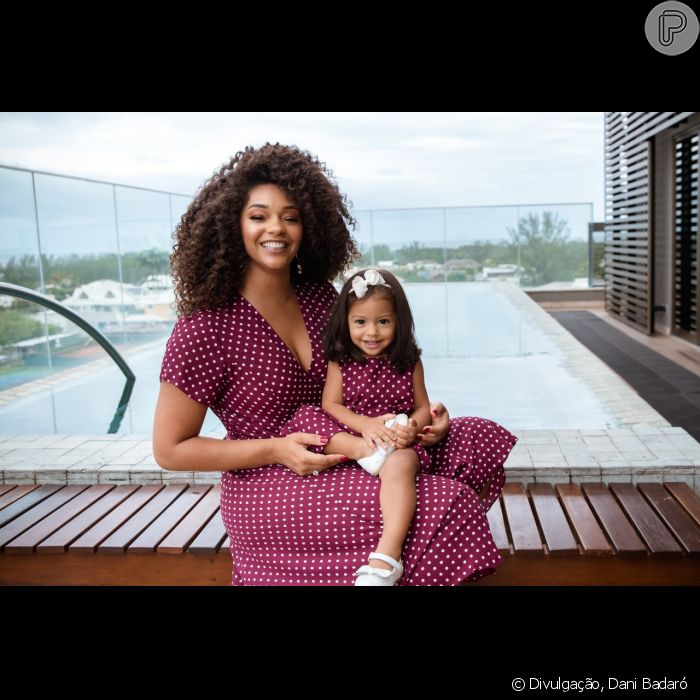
<point>102,250</point>
<point>69,344</point>
<point>536,246</point>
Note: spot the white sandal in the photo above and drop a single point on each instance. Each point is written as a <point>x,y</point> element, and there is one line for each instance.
<point>375,461</point>
<point>372,576</point>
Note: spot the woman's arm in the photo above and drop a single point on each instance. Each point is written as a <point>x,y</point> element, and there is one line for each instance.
<point>177,445</point>
<point>432,434</point>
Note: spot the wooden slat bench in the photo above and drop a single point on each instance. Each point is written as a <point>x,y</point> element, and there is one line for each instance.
<point>173,535</point>
<point>597,534</point>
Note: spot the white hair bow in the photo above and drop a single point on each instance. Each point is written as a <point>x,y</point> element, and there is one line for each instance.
<point>360,285</point>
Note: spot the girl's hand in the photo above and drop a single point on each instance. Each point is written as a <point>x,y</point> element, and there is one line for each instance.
<point>293,453</point>
<point>432,434</point>
<point>376,434</point>
<point>405,435</point>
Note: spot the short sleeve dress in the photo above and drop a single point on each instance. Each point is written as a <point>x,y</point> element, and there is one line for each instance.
<point>290,530</point>
<point>370,388</point>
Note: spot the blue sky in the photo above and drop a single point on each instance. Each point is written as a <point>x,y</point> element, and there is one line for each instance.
<point>381,159</point>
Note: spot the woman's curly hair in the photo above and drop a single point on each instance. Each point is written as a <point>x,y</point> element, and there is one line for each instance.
<point>209,260</point>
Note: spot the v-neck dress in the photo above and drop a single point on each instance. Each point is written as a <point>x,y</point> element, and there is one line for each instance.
<point>317,530</point>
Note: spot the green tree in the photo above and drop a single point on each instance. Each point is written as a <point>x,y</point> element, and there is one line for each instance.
<point>381,252</point>
<point>546,254</point>
<point>63,274</point>
<point>417,251</point>
<point>136,267</point>
<point>16,326</point>
<point>23,271</point>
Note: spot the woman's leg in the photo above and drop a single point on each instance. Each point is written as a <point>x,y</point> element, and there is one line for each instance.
<point>314,420</point>
<point>397,498</point>
<point>450,540</point>
<point>474,452</point>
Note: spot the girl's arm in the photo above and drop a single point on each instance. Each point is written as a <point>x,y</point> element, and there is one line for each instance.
<point>421,402</point>
<point>420,416</point>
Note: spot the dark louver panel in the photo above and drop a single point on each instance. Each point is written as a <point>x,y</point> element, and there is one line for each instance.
<point>686,238</point>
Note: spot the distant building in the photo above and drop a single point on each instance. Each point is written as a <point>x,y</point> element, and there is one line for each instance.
<point>461,264</point>
<point>500,272</point>
<point>158,297</point>
<point>101,301</point>
<point>105,303</point>
<point>36,347</point>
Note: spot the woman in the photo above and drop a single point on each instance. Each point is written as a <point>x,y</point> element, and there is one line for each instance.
<point>254,255</point>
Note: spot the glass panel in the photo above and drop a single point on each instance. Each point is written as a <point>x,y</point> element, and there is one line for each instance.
<point>19,254</point>
<point>58,365</point>
<point>144,243</point>
<point>77,228</point>
<point>478,244</point>
<point>469,331</point>
<point>178,206</point>
<point>430,316</point>
<point>60,368</point>
<point>410,242</point>
<point>363,236</point>
<point>597,259</point>
<point>553,245</point>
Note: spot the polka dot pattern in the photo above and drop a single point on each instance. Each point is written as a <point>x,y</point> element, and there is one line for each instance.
<point>370,388</point>
<point>291,530</point>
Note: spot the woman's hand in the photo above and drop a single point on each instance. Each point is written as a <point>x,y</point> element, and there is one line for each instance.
<point>432,434</point>
<point>293,453</point>
<point>376,434</point>
<point>405,435</point>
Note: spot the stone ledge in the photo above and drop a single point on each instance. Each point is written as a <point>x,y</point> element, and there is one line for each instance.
<point>554,456</point>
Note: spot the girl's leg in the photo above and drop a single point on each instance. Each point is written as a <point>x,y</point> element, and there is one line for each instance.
<point>397,498</point>
<point>350,445</point>
<point>314,420</point>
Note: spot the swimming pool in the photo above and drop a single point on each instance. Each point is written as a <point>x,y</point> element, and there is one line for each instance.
<point>488,350</point>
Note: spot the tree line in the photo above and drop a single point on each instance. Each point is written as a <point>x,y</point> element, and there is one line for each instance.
<point>541,244</point>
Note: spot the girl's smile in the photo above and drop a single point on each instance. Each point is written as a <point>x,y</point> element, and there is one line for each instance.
<point>372,324</point>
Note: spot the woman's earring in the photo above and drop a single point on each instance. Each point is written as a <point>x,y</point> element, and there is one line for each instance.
<point>298,264</point>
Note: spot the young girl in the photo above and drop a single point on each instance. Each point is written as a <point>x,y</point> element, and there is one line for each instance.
<point>375,390</point>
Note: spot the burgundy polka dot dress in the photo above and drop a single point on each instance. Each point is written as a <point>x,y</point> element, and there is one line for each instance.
<point>317,530</point>
<point>370,388</point>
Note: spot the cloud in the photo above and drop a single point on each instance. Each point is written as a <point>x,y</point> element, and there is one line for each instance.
<point>381,159</point>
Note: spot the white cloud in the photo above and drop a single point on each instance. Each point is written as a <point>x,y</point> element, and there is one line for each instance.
<point>381,159</point>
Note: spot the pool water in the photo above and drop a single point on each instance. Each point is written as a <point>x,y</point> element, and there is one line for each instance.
<point>483,357</point>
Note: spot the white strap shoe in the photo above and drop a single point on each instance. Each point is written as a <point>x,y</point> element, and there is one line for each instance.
<point>375,461</point>
<point>371,576</point>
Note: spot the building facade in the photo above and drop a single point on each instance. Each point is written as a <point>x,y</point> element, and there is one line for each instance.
<point>651,227</point>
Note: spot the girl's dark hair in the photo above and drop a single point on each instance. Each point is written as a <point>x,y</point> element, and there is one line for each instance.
<point>209,261</point>
<point>403,351</point>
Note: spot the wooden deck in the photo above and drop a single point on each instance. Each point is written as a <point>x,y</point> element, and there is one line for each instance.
<point>173,535</point>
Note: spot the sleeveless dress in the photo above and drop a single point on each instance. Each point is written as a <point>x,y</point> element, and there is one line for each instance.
<point>370,388</point>
<point>317,530</point>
